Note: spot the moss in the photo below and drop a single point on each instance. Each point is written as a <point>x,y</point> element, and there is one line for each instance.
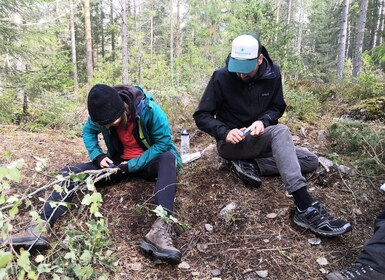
<point>368,109</point>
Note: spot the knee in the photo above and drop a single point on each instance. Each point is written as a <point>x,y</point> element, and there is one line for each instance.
<point>313,162</point>
<point>167,158</point>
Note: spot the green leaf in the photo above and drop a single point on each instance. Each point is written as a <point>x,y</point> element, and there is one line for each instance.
<point>14,210</point>
<point>3,172</point>
<point>87,199</point>
<point>8,155</point>
<point>43,268</point>
<point>70,256</point>
<point>160,212</point>
<point>5,258</point>
<point>138,209</point>
<point>86,257</point>
<point>14,174</point>
<point>58,188</point>
<point>24,261</point>
<point>82,176</point>
<point>32,275</point>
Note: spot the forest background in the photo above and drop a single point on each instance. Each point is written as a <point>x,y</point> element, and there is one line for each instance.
<point>52,52</point>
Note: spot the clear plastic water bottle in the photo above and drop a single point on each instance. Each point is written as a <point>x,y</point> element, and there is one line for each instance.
<point>185,143</point>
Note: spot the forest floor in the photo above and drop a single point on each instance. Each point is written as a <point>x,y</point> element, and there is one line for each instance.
<point>247,245</point>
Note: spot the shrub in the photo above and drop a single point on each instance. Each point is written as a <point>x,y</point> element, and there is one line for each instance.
<point>302,105</point>
<point>356,139</point>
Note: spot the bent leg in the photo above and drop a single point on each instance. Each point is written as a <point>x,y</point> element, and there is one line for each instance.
<point>163,169</point>
<point>52,213</point>
<point>267,166</point>
<point>276,140</point>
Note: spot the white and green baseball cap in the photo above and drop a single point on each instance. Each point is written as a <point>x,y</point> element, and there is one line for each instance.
<point>244,55</point>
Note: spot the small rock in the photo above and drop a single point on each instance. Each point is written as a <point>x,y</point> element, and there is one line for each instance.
<point>228,210</point>
<point>346,170</point>
<point>323,271</point>
<point>135,266</point>
<point>195,273</point>
<point>327,162</point>
<point>184,265</point>
<point>209,228</point>
<point>357,211</point>
<point>322,261</point>
<point>271,216</point>
<point>314,241</point>
<point>216,272</point>
<point>202,247</point>
<point>321,135</point>
<point>262,273</point>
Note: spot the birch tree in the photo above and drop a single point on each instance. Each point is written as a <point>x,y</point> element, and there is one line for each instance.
<point>73,46</point>
<point>124,42</point>
<point>87,19</point>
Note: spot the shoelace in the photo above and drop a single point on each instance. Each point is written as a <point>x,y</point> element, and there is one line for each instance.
<point>356,270</point>
<point>320,214</point>
<point>168,233</point>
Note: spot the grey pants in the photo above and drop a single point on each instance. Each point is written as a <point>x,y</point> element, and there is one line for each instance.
<point>275,154</point>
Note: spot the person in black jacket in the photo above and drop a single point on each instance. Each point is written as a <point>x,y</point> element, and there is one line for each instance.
<point>240,107</point>
<point>370,263</point>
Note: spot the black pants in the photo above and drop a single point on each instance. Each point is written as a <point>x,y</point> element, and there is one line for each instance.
<point>162,169</point>
<point>373,253</point>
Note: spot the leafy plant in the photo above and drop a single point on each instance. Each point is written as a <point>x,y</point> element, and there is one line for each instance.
<point>303,106</point>
<point>86,253</point>
<point>356,139</point>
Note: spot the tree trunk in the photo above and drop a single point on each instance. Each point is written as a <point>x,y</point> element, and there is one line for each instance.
<point>112,30</point>
<point>152,30</point>
<point>73,46</point>
<point>289,2</point>
<point>300,27</point>
<point>102,27</point>
<point>87,19</point>
<point>357,59</point>
<point>380,28</point>
<point>177,30</point>
<point>277,14</point>
<point>124,43</point>
<point>172,39</point>
<point>342,39</point>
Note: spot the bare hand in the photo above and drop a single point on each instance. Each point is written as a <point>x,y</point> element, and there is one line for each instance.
<point>105,163</point>
<point>258,128</point>
<point>235,136</point>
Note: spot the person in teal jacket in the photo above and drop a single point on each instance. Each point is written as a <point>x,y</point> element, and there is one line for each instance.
<point>138,140</point>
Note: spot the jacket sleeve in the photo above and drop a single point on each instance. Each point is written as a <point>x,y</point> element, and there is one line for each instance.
<point>90,133</point>
<point>204,115</point>
<point>277,106</point>
<point>156,124</point>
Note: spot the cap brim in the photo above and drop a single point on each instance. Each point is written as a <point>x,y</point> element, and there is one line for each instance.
<point>242,66</point>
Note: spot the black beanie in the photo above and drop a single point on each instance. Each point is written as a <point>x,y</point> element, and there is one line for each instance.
<point>104,104</point>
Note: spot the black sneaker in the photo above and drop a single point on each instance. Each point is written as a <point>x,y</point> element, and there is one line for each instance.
<point>357,271</point>
<point>319,221</point>
<point>246,172</point>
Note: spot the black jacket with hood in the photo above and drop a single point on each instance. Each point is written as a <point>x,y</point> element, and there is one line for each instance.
<point>228,102</point>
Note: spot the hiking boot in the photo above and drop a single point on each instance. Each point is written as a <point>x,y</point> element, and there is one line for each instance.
<point>319,221</point>
<point>357,271</point>
<point>32,237</point>
<point>159,242</point>
<point>246,172</point>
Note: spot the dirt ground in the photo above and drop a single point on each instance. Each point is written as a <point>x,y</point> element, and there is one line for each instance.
<point>247,244</point>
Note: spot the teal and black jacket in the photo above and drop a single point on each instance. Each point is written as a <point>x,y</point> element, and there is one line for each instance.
<point>151,131</point>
